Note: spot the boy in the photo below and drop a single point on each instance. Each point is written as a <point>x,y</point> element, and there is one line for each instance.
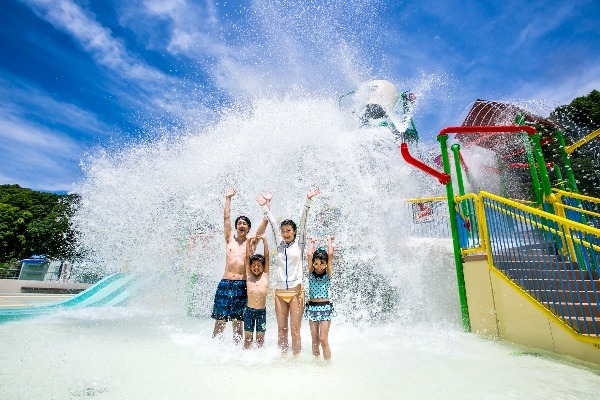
<point>257,272</point>
<point>231,296</point>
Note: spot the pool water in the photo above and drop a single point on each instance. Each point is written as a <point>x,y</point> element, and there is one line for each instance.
<point>132,353</point>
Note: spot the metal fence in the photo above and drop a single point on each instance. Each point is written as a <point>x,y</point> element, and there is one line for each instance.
<point>577,207</point>
<point>553,259</point>
<point>428,217</point>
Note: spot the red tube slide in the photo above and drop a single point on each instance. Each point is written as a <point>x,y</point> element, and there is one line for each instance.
<point>443,177</point>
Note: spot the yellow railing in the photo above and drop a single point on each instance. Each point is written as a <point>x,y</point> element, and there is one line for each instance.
<point>571,148</point>
<point>553,259</point>
<point>577,207</point>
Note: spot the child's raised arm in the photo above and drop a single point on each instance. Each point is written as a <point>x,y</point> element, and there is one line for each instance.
<point>330,254</point>
<point>309,256</point>
<point>266,252</point>
<point>249,251</point>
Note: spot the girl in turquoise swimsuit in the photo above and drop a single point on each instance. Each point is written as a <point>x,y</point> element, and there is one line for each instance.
<point>319,309</point>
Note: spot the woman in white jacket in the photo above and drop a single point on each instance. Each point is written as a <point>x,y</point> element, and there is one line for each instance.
<point>289,293</point>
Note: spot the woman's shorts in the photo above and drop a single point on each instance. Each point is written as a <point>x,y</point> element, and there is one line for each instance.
<point>315,311</point>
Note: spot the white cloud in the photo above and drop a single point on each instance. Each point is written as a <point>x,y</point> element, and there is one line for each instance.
<point>94,38</point>
<point>543,21</point>
<point>35,156</point>
<point>20,99</point>
<point>579,82</point>
<point>136,82</point>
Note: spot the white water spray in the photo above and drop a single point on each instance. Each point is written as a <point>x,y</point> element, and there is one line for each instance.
<point>158,207</point>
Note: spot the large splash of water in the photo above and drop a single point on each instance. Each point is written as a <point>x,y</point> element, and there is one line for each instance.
<point>158,207</point>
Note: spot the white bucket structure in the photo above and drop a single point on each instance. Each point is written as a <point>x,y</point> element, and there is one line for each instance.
<point>376,99</point>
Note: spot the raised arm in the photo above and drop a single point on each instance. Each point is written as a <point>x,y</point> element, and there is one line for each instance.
<point>227,213</point>
<point>264,201</point>
<point>266,252</point>
<point>330,254</point>
<point>309,256</point>
<point>302,229</point>
<point>249,252</point>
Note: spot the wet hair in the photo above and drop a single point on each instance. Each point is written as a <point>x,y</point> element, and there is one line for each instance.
<point>258,257</point>
<point>243,217</point>
<point>321,254</point>
<point>288,222</point>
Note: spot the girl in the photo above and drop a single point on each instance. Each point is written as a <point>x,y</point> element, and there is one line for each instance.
<point>289,294</point>
<point>319,309</point>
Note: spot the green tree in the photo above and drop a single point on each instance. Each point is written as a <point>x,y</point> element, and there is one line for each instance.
<point>578,119</point>
<point>35,222</point>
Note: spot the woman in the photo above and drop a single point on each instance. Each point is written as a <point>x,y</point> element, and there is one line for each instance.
<point>289,294</point>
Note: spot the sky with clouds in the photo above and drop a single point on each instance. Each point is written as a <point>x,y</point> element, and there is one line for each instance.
<point>78,75</point>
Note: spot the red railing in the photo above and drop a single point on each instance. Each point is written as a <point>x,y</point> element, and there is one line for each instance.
<point>443,177</point>
<point>487,129</point>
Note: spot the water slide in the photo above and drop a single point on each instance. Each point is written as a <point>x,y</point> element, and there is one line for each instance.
<point>114,290</point>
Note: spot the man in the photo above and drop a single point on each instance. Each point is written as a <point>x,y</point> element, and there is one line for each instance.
<point>231,297</point>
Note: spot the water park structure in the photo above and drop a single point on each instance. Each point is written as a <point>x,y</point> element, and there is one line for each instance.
<point>526,269</point>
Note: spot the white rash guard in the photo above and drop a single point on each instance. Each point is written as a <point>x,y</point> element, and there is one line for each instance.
<point>289,255</point>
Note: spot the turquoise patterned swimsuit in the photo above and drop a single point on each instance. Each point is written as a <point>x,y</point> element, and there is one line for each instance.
<point>319,289</point>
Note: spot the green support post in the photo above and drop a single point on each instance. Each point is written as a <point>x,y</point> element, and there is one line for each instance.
<point>566,160</point>
<point>559,177</point>
<point>410,134</point>
<point>191,298</point>
<point>541,164</point>
<point>460,276</point>
<point>459,178</point>
<point>537,187</point>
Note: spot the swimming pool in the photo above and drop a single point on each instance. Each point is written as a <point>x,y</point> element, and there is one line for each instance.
<point>132,353</point>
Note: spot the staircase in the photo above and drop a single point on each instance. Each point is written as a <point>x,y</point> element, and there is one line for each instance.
<point>570,293</point>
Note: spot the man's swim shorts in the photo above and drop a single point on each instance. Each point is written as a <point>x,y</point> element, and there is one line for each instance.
<point>230,300</point>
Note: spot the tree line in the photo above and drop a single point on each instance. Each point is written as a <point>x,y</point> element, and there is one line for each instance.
<point>33,222</point>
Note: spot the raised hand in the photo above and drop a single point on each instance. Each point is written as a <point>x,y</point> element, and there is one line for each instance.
<point>260,199</point>
<point>312,193</point>
<point>231,192</point>
<point>268,196</point>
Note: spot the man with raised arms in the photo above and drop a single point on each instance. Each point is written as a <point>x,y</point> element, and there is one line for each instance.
<point>231,296</point>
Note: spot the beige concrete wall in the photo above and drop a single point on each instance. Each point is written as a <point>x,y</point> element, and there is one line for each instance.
<point>480,299</point>
<point>14,285</point>
<point>498,309</point>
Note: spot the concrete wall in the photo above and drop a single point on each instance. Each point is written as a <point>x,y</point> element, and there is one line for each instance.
<point>15,285</point>
<point>500,310</point>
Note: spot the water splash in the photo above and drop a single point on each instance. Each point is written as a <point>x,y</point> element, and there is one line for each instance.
<point>158,206</point>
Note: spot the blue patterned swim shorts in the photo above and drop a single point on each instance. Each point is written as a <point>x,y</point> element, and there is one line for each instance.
<point>230,300</point>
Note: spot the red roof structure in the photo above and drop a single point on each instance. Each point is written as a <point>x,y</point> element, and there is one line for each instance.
<point>494,113</point>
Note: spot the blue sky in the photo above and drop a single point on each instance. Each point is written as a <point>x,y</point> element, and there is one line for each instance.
<point>77,75</point>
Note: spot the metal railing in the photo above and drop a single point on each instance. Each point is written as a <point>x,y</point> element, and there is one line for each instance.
<point>554,260</point>
<point>428,217</point>
<point>578,207</point>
